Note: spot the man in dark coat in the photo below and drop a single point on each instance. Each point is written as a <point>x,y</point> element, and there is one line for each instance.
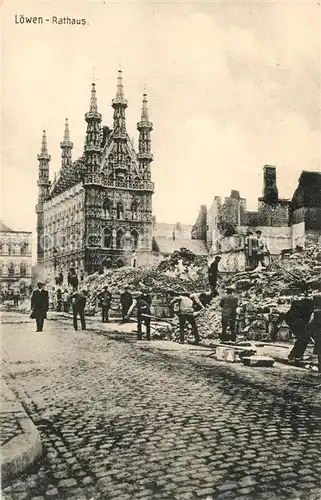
<point>297,318</point>
<point>105,303</point>
<point>78,307</point>
<point>145,295</point>
<point>39,306</point>
<point>228,304</point>
<point>213,273</point>
<point>143,308</point>
<point>126,300</point>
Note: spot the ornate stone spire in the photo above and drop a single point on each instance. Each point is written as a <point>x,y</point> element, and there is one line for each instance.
<point>93,136</point>
<point>119,130</point>
<point>93,107</point>
<point>144,117</point>
<point>119,104</point>
<point>120,98</point>
<point>145,127</point>
<point>66,147</point>
<point>43,170</point>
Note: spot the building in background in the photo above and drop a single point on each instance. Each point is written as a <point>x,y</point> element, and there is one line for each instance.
<point>285,223</point>
<point>98,210</point>
<point>15,258</point>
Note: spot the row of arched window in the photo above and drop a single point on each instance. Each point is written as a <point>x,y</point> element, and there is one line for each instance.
<point>12,272</point>
<point>71,210</point>
<point>107,209</point>
<point>12,248</point>
<point>120,239</point>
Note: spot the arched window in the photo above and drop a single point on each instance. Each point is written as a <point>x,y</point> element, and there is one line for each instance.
<point>1,247</point>
<point>11,270</point>
<point>10,248</point>
<point>134,210</point>
<point>108,238</point>
<point>107,208</point>
<point>23,248</point>
<point>1,266</point>
<point>120,239</point>
<point>23,270</point>
<point>120,210</point>
<point>135,236</point>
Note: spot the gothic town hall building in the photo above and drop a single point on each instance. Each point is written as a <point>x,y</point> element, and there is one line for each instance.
<point>98,210</point>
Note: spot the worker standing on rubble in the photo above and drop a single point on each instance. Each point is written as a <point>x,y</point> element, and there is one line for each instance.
<point>250,248</point>
<point>213,273</point>
<point>229,305</point>
<point>185,312</point>
<point>261,248</point>
<point>298,318</point>
<point>143,311</point>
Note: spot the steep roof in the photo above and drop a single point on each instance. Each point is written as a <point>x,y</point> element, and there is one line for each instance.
<point>168,246</point>
<point>4,228</point>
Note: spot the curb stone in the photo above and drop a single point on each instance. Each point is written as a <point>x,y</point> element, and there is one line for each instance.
<point>23,450</point>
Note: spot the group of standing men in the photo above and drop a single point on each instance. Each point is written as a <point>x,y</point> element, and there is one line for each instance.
<point>255,248</point>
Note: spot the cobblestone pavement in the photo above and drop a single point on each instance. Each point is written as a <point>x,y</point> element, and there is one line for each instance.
<point>122,419</point>
<point>9,428</point>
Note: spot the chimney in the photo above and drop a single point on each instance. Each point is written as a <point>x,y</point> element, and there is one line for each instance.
<point>270,190</point>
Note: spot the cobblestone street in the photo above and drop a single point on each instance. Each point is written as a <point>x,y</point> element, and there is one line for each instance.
<point>135,420</point>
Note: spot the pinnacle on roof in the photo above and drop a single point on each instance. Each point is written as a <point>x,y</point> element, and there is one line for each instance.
<point>66,142</point>
<point>120,98</point>
<point>66,133</point>
<point>144,116</point>
<point>44,147</point>
<point>93,108</point>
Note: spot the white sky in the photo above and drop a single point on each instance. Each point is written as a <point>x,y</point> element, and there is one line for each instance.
<point>231,86</point>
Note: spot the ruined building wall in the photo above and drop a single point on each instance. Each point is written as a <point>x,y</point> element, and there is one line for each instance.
<point>199,230</point>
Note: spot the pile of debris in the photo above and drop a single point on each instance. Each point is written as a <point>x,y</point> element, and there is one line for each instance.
<point>266,293</point>
<point>182,269</point>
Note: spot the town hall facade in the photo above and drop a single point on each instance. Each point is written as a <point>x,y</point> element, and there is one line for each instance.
<point>97,212</point>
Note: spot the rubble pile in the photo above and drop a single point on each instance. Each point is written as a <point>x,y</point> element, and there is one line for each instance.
<point>267,293</point>
<point>181,270</point>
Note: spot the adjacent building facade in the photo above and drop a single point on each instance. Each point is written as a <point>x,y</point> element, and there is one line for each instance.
<point>98,210</point>
<point>15,257</point>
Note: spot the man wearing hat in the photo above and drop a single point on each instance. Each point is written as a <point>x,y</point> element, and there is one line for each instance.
<point>105,301</point>
<point>39,306</point>
<point>126,300</point>
<point>261,248</point>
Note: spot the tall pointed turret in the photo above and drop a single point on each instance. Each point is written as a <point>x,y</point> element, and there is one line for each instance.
<point>43,170</point>
<point>145,127</point>
<point>66,147</point>
<point>43,193</point>
<point>119,130</point>
<point>93,136</point>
